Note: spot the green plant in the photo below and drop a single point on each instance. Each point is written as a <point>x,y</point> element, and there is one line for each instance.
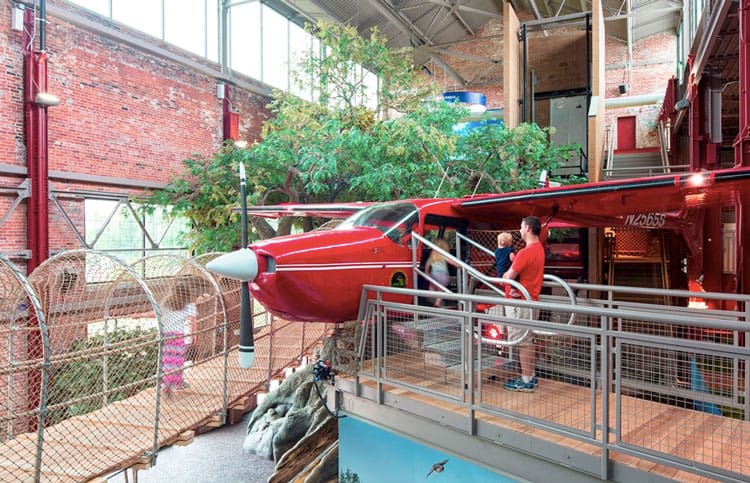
<point>78,386</point>
<point>339,149</point>
<point>349,477</point>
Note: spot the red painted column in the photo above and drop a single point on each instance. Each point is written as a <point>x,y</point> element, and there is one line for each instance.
<point>37,207</point>
<point>35,133</point>
<point>742,149</point>
<point>29,129</point>
<point>742,141</point>
<point>40,182</point>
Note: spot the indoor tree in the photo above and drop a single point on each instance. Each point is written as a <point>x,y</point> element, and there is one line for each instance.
<point>353,142</point>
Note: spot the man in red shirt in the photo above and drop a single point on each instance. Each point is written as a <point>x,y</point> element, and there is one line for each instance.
<point>528,266</point>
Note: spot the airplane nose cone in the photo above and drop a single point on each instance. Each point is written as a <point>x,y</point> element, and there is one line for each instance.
<point>239,265</point>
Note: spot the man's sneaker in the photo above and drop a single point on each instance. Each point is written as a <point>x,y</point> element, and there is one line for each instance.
<point>519,386</point>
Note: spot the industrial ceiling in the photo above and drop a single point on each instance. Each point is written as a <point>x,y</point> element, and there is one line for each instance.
<point>436,29</point>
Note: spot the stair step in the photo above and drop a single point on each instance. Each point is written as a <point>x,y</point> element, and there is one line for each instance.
<point>434,330</point>
<point>635,165</point>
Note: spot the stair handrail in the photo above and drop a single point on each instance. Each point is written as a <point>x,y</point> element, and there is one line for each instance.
<point>548,277</point>
<point>491,282</point>
<point>663,142</point>
<point>611,138</point>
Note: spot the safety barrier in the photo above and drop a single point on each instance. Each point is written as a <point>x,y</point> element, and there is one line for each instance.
<point>633,382</point>
<point>102,363</point>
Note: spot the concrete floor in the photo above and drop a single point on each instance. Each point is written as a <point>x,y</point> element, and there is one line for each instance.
<point>216,456</point>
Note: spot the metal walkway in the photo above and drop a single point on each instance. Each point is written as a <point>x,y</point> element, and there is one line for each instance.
<point>626,391</point>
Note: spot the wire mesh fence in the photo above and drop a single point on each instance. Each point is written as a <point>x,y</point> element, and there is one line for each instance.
<point>23,339</point>
<point>102,363</point>
<point>665,384</point>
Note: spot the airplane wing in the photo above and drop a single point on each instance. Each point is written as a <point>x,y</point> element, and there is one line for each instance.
<point>655,202</point>
<point>322,210</point>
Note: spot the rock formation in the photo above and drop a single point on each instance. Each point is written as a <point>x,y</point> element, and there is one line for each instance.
<point>293,426</point>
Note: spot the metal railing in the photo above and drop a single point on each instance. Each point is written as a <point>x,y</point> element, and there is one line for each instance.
<point>664,144</point>
<point>643,171</point>
<point>608,380</point>
<point>611,143</point>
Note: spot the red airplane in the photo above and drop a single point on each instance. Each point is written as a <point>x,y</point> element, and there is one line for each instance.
<point>318,276</point>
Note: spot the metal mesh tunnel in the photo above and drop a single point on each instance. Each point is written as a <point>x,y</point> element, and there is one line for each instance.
<point>104,348</point>
<point>24,350</point>
<point>103,363</point>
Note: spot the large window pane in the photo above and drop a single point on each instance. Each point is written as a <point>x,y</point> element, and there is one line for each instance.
<point>275,49</point>
<point>144,15</point>
<point>300,43</point>
<point>167,232</point>
<point>212,30</point>
<point>317,51</point>
<point>245,39</point>
<point>99,6</point>
<point>185,24</point>
<point>121,235</point>
<point>115,227</point>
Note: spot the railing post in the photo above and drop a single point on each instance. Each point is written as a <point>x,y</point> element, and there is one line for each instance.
<point>159,377</point>
<point>379,350</point>
<point>468,333</point>
<point>605,390</point>
<point>225,350</point>
<point>270,352</point>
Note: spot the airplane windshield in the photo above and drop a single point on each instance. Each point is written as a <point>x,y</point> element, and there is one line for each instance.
<point>396,220</point>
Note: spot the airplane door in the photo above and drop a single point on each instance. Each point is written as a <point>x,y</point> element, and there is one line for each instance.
<point>445,227</point>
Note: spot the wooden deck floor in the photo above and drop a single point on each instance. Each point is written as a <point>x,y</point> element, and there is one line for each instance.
<point>696,436</point>
<point>121,434</point>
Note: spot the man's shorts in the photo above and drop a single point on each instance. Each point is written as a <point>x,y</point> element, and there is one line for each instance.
<point>514,333</point>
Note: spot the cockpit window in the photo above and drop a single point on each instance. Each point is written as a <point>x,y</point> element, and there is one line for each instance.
<point>396,220</point>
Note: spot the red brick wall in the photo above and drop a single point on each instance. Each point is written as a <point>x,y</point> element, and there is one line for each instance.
<point>11,90</point>
<point>124,113</point>
<point>653,65</point>
<point>559,61</point>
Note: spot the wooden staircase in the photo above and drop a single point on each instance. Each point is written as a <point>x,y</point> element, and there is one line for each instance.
<point>634,164</point>
<point>638,258</point>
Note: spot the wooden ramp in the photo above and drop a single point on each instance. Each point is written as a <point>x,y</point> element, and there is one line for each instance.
<point>124,434</point>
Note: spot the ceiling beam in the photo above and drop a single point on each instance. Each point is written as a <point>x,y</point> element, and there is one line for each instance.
<point>483,38</point>
<point>452,10</point>
<point>465,8</point>
<point>547,8</point>
<point>484,72</point>
<point>413,32</point>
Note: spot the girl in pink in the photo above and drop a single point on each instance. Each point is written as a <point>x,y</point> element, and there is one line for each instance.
<point>178,314</point>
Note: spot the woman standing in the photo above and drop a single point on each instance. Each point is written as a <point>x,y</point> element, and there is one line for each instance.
<point>437,268</point>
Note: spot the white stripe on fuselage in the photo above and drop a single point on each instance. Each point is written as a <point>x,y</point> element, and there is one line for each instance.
<point>341,266</point>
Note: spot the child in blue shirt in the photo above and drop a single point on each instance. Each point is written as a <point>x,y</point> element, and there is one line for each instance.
<point>504,253</point>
